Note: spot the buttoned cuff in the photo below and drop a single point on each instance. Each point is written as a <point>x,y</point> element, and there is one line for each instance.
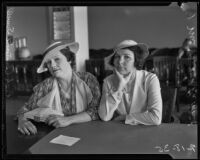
<point>117,95</point>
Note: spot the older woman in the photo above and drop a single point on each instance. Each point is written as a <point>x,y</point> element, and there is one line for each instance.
<point>130,94</point>
<point>64,98</point>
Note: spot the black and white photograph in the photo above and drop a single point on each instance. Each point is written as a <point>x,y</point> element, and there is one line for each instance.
<point>107,80</point>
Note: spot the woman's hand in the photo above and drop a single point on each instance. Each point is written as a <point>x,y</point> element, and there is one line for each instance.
<point>120,118</point>
<point>26,127</point>
<point>122,80</point>
<point>58,121</point>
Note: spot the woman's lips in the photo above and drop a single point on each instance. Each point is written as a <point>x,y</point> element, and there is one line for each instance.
<point>55,70</point>
<point>120,68</point>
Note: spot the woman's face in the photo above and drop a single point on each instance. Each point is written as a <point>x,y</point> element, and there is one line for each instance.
<point>124,61</point>
<point>58,65</point>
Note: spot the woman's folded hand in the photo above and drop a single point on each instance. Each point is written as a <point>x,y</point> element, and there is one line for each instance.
<point>120,118</point>
<point>58,121</point>
<point>26,127</point>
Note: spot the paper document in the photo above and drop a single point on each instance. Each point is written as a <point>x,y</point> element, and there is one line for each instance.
<point>65,140</point>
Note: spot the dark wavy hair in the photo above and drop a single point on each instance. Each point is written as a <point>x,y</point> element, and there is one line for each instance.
<point>69,55</point>
<point>139,60</point>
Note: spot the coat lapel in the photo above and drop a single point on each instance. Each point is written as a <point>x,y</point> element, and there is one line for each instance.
<point>135,90</point>
<point>83,95</point>
<point>139,95</point>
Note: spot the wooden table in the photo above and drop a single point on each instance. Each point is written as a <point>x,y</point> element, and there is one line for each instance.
<point>97,137</point>
<point>15,142</point>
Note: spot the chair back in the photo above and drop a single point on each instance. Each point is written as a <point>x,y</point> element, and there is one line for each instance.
<point>169,95</point>
<point>165,68</point>
<point>97,68</point>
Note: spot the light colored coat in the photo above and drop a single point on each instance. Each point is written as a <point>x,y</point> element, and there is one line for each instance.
<point>145,102</point>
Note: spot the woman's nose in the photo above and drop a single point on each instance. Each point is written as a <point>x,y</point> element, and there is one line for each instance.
<point>121,60</point>
<point>53,64</point>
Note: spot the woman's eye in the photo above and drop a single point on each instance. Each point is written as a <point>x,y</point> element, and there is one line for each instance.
<point>127,57</point>
<point>56,59</point>
<point>117,56</point>
<point>47,63</point>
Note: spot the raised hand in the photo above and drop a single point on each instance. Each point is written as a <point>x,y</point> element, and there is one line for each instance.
<point>122,80</point>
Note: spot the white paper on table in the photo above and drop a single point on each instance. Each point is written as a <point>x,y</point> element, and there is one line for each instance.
<point>65,140</point>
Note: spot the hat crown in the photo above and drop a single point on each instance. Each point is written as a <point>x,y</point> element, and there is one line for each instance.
<point>125,43</point>
<point>74,46</point>
<point>128,42</point>
<point>53,44</point>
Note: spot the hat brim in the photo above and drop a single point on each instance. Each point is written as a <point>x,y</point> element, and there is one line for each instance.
<point>54,49</point>
<point>57,46</point>
<point>74,47</point>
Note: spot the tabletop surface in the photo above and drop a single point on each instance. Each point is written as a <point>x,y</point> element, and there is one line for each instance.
<point>97,137</point>
<point>15,142</point>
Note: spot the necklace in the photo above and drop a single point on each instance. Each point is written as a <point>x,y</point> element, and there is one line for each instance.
<point>65,90</point>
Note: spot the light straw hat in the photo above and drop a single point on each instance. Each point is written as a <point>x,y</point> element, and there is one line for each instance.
<point>124,44</point>
<point>54,49</point>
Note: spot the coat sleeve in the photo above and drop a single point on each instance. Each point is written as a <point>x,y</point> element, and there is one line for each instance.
<point>109,102</point>
<point>92,108</point>
<point>153,114</point>
<point>38,91</point>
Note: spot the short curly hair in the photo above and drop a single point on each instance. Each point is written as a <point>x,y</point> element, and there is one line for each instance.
<point>70,56</point>
<point>139,60</point>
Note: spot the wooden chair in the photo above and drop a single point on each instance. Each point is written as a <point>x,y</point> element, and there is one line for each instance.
<point>169,95</point>
<point>165,69</point>
<point>97,68</point>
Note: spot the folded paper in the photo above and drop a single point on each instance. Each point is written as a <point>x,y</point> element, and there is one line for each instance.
<point>65,140</point>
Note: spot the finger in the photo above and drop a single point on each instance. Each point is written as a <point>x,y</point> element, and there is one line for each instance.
<point>20,130</point>
<point>50,122</point>
<point>32,128</point>
<point>117,73</point>
<point>26,130</point>
<point>49,118</point>
<point>56,124</point>
<point>53,115</point>
<point>120,76</point>
<point>128,77</point>
<point>130,74</point>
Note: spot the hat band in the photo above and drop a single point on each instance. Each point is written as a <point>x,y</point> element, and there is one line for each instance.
<point>52,47</point>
